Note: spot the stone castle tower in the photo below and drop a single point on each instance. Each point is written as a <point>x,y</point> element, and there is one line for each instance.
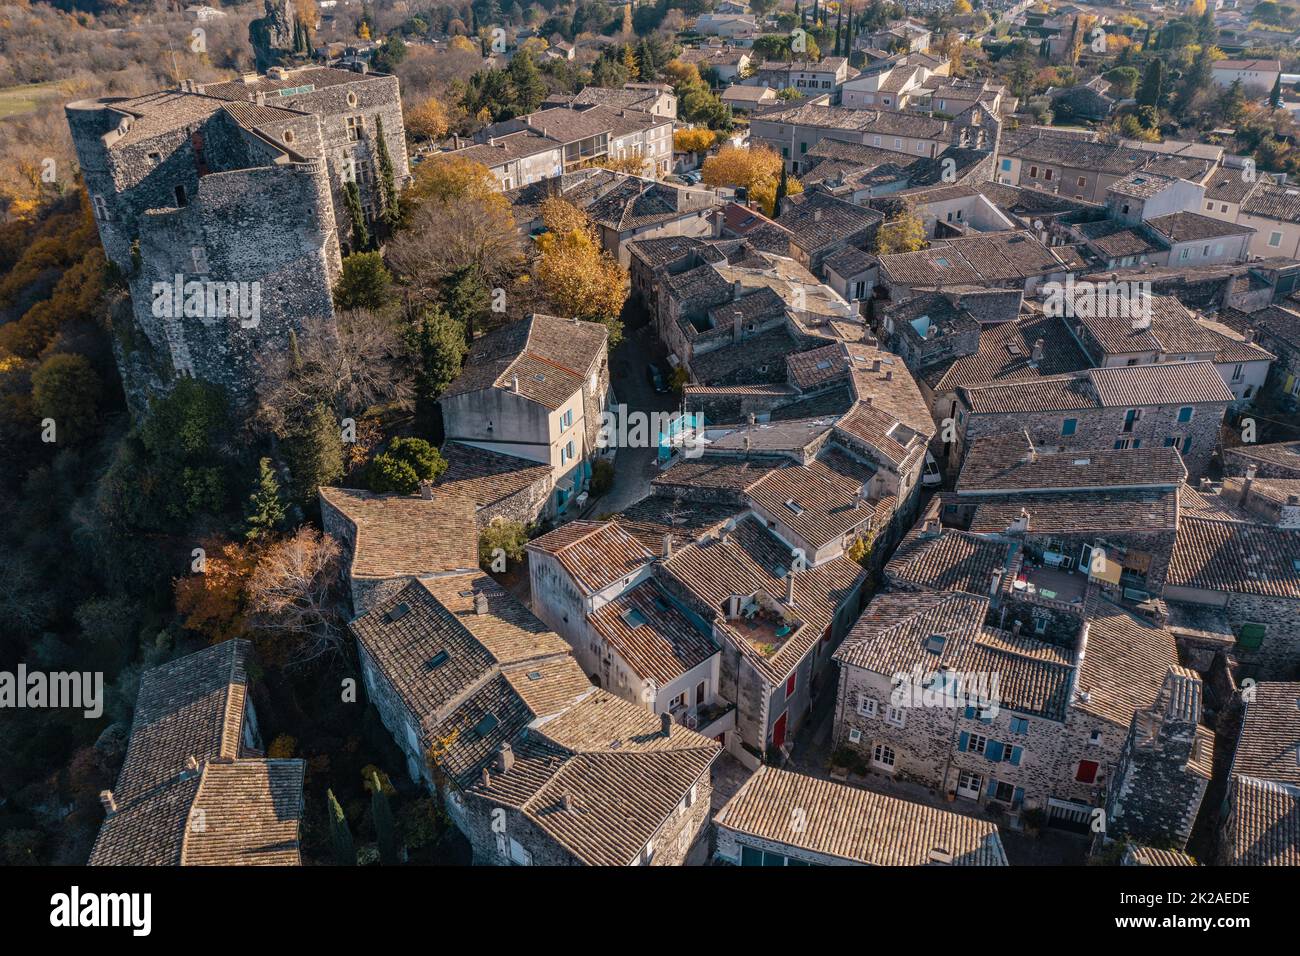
<point>223,201</point>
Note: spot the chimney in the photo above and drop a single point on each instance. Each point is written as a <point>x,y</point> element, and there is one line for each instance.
<point>751,418</point>
<point>1249,336</point>
<point>889,375</point>
<point>505,758</point>
<point>1246,484</point>
<point>665,725</point>
<point>191,765</point>
<point>261,99</point>
<point>995,584</point>
<point>668,546</point>
<point>930,529</point>
<point>480,603</point>
<point>736,289</point>
<point>1021,524</point>
<point>817,215</point>
<point>514,384</point>
<point>109,801</point>
<point>1015,628</point>
<point>1037,354</point>
<point>789,587</point>
<point>426,490</point>
<point>566,801</point>
<point>875,365</point>
<point>487,779</point>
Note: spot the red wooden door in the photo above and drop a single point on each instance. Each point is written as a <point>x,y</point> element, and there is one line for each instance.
<point>778,731</point>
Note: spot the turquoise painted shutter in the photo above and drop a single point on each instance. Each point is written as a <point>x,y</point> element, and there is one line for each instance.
<point>993,787</point>
<point>1015,756</point>
<point>970,712</point>
<point>1019,797</point>
<point>994,751</point>
<point>965,739</point>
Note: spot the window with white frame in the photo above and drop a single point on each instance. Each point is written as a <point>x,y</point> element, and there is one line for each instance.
<point>519,854</point>
<point>895,715</point>
<point>883,756</point>
<point>976,743</point>
<point>867,706</point>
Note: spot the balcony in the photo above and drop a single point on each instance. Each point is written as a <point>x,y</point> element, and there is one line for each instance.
<point>708,719</point>
<point>1050,587</point>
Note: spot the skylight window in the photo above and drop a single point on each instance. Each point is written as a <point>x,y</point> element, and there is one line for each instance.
<point>934,643</point>
<point>437,660</point>
<point>794,506</point>
<point>399,612</point>
<point>942,263</point>
<point>534,675</point>
<point>486,725</point>
<point>634,618</point>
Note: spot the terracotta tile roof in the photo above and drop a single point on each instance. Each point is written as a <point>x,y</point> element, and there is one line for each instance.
<point>1236,557</point>
<point>1007,464</point>
<point>1190,226</point>
<point>1123,665</point>
<point>506,629</point>
<point>193,707</point>
<point>595,554</point>
<point>977,259</point>
<point>718,471</point>
<point>896,632</point>
<point>1285,454</point>
<point>1173,330</point>
<point>752,559</point>
<point>1005,354</point>
<point>1268,747</point>
<point>949,560</point>
<point>667,512</point>
<point>1265,828</point>
<point>818,505</point>
<point>550,686</point>
<point>652,634</point>
<point>251,810</point>
<point>1099,509</point>
<point>818,221</point>
<point>1114,239</point>
<point>1271,201</point>
<point>190,707</point>
<point>810,369</point>
<point>488,477</point>
<point>400,535</point>
<point>1137,855</point>
<point>1180,383</point>
<point>549,356</point>
<point>856,825</point>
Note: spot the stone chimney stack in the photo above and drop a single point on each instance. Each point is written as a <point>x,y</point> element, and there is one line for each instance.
<point>665,725</point>
<point>995,584</point>
<point>109,801</point>
<point>1247,483</point>
<point>737,290</point>
<point>566,801</point>
<point>487,779</point>
<point>426,490</point>
<point>789,587</point>
<point>514,384</point>
<point>668,546</point>
<point>505,758</point>
<point>480,603</point>
<point>1039,346</point>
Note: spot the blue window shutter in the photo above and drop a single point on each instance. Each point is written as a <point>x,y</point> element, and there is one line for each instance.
<point>970,712</point>
<point>1015,756</point>
<point>965,739</point>
<point>1018,797</point>
<point>993,787</point>
<point>993,751</point>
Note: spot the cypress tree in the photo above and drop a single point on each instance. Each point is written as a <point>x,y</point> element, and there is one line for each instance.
<point>360,232</point>
<point>1275,98</point>
<point>384,828</point>
<point>388,185</point>
<point>345,851</point>
<point>264,513</point>
<point>314,453</point>
<point>782,188</point>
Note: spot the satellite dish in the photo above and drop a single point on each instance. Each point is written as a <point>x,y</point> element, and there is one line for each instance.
<point>1038,224</point>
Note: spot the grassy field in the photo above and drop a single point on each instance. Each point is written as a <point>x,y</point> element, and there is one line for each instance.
<point>16,100</point>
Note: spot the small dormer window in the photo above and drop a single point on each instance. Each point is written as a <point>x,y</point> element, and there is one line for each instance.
<point>934,643</point>
<point>288,136</point>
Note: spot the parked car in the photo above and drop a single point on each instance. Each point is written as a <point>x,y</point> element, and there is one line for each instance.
<point>657,377</point>
<point>931,475</point>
